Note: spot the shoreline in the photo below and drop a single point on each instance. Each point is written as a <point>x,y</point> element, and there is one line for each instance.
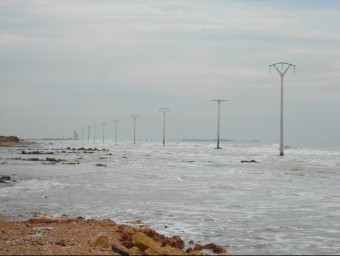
<point>46,235</point>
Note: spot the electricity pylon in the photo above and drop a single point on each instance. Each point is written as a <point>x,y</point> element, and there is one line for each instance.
<point>88,134</point>
<point>134,127</point>
<point>164,110</point>
<point>82,134</point>
<point>282,73</point>
<point>103,124</point>
<point>219,101</point>
<point>116,122</point>
<point>94,133</point>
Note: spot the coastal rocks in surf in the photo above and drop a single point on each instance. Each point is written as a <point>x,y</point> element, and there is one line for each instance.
<point>4,178</point>
<point>9,139</point>
<point>249,161</point>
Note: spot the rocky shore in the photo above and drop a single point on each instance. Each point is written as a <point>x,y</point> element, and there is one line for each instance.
<point>46,235</point>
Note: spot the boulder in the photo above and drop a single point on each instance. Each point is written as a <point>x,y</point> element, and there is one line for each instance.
<point>143,242</point>
<point>215,248</point>
<point>9,139</point>
<point>100,240</point>
<point>249,161</point>
<point>154,251</point>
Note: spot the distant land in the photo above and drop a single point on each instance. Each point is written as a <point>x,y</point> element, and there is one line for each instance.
<point>57,138</point>
<point>225,140</point>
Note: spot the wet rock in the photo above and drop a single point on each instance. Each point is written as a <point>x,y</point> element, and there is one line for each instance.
<point>138,221</point>
<point>198,247</point>
<point>23,152</point>
<point>215,248</point>
<point>249,161</point>
<point>33,159</point>
<point>101,165</point>
<point>100,240</point>
<point>5,177</point>
<point>208,219</point>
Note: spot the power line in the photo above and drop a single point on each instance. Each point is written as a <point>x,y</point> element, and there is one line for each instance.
<point>318,63</point>
<point>253,90</point>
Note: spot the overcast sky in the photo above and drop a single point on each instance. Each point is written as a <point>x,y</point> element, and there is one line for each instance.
<point>65,65</point>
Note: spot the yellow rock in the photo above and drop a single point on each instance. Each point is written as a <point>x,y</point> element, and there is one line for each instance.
<point>154,251</point>
<point>143,242</point>
<point>134,250</point>
<point>196,253</point>
<point>101,240</point>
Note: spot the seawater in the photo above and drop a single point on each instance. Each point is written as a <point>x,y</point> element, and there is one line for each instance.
<point>280,205</point>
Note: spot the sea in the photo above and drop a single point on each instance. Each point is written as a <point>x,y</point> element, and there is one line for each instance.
<point>271,205</point>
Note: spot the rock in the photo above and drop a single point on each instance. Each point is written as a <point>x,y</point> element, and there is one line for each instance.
<point>143,242</point>
<point>101,165</point>
<point>100,240</point>
<point>138,221</point>
<point>154,251</point>
<point>33,159</point>
<point>135,250</point>
<point>39,215</point>
<point>208,219</point>
<point>119,251</point>
<point>195,253</point>
<point>5,177</point>
<point>198,247</point>
<point>9,139</point>
<point>215,248</point>
<point>249,161</point>
<point>61,243</point>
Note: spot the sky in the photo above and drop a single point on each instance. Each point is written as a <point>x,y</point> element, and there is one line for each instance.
<point>68,64</point>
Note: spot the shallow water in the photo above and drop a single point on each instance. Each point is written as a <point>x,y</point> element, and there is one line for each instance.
<point>280,205</point>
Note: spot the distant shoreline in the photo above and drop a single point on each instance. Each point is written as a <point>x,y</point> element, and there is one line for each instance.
<point>214,140</point>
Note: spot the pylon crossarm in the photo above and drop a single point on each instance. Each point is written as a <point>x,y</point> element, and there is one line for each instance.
<point>289,65</point>
<point>276,68</point>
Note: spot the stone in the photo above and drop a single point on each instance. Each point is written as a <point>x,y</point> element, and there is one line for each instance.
<point>100,240</point>
<point>143,242</point>
<point>195,253</point>
<point>101,165</point>
<point>208,219</point>
<point>198,247</point>
<point>154,251</point>
<point>9,139</point>
<point>135,251</point>
<point>215,248</point>
<point>249,161</point>
<point>61,243</point>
